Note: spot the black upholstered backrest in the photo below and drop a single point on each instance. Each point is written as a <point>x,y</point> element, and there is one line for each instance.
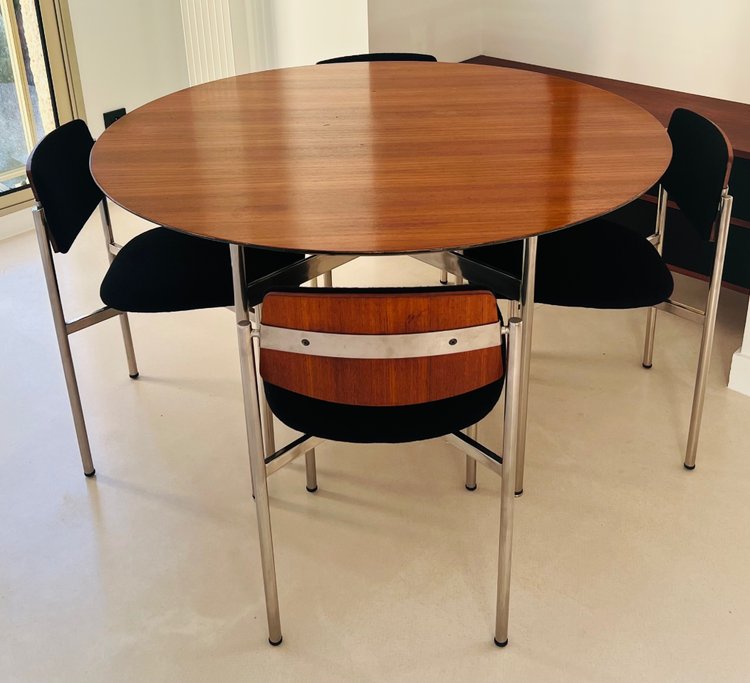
<point>58,170</point>
<point>384,348</point>
<point>381,57</point>
<point>699,170</point>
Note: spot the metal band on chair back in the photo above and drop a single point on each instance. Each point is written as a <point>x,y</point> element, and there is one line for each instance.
<point>371,348</point>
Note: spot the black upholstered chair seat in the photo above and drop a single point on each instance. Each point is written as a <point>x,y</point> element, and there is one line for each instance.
<point>162,270</point>
<point>381,424</point>
<point>598,264</point>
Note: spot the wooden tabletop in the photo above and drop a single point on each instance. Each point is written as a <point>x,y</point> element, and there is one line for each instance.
<point>369,158</point>
<point>732,117</point>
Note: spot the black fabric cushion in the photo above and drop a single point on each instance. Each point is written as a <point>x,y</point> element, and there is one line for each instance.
<point>699,170</point>
<point>366,424</point>
<point>162,270</point>
<point>58,170</point>
<point>598,264</point>
<point>381,57</point>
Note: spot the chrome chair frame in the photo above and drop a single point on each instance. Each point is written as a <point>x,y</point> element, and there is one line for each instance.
<point>465,268</point>
<point>64,328</point>
<point>297,273</point>
<point>520,293</point>
<point>707,316</point>
<point>263,465</point>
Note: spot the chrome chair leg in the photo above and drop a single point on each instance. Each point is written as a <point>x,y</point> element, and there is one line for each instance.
<point>255,446</point>
<point>63,343</point>
<point>511,432</point>
<point>527,308</point>
<point>471,464</point>
<point>311,471</point>
<point>269,437</point>
<point>648,346</point>
<point>328,279</point>
<point>127,339</point>
<point>707,339</point>
<point>109,240</point>
<point>443,277</point>
<point>661,218</point>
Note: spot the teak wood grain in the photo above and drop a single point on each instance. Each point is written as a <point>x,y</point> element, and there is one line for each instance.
<point>732,117</point>
<point>380,382</point>
<point>370,158</point>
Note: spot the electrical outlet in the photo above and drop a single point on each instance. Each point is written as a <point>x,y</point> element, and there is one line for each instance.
<point>111,116</point>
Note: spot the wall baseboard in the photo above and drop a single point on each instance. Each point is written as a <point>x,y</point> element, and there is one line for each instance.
<point>739,375</point>
<point>15,223</point>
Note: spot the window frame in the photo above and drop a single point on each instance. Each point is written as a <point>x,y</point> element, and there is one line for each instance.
<point>65,81</point>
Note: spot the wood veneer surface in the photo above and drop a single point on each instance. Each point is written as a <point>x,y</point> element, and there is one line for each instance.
<point>732,117</point>
<point>380,382</point>
<point>380,157</point>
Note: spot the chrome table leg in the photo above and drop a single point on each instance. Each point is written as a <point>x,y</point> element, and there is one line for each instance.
<point>528,285</point>
<point>255,445</point>
<point>511,432</point>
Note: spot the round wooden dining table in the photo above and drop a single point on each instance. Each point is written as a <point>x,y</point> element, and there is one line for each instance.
<point>385,158</point>
<point>377,158</point>
<point>381,157</point>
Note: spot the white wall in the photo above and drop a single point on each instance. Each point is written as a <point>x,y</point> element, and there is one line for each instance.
<point>298,32</point>
<point>129,53</point>
<point>690,45</point>
<point>448,29</point>
<point>739,375</point>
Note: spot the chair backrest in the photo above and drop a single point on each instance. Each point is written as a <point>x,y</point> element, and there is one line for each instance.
<point>699,170</point>
<point>381,57</point>
<point>58,171</point>
<point>381,347</point>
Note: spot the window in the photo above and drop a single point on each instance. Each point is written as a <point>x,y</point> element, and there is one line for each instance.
<point>39,88</point>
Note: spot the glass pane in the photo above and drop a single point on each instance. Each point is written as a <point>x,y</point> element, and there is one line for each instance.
<point>26,107</point>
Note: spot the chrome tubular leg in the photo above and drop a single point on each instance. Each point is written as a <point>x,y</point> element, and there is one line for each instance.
<point>241,310</point>
<point>511,432</point>
<point>311,471</point>
<point>648,346</point>
<point>527,307</point>
<point>127,337</point>
<point>661,217</point>
<point>707,340</point>
<point>269,438</point>
<point>328,279</point>
<point>471,464</point>
<point>63,343</point>
<point>255,446</point>
<point>443,277</point>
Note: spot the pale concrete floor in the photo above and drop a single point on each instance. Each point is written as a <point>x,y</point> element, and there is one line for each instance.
<point>626,567</point>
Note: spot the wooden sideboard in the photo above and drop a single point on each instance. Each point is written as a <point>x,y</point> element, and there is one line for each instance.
<point>682,249</point>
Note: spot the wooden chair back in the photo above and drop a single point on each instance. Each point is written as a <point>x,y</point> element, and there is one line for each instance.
<point>381,347</point>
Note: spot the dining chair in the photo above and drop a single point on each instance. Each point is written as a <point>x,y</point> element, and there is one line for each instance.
<point>601,264</point>
<point>381,57</point>
<point>384,366</point>
<point>159,270</point>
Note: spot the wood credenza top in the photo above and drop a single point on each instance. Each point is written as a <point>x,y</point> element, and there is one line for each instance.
<point>732,117</point>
